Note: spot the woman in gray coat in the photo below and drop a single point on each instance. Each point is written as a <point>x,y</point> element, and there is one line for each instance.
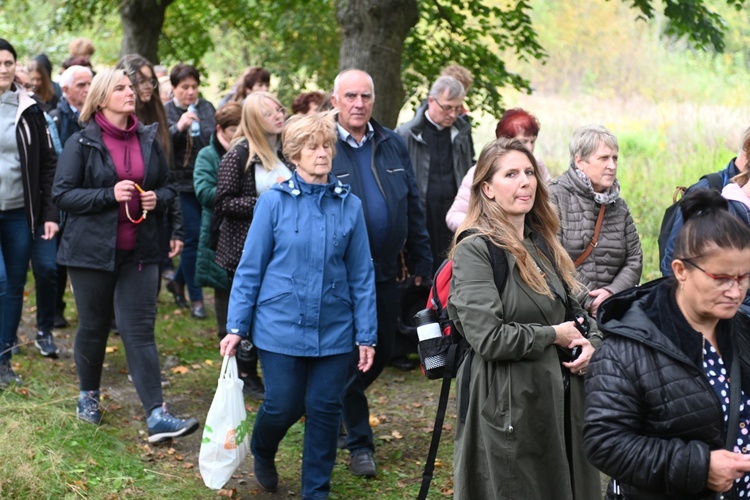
<point>522,432</point>
<point>590,188</point>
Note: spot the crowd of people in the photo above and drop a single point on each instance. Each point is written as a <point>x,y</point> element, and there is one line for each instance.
<point>303,228</point>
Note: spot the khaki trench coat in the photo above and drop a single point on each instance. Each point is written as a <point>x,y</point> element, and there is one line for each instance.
<point>512,444</point>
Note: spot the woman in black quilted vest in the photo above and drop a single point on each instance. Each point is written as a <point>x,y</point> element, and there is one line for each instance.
<point>658,390</point>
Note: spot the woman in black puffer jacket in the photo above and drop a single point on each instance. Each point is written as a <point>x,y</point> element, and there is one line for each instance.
<point>657,391</point>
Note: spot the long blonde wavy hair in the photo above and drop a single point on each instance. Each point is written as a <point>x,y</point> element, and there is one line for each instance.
<point>486,218</point>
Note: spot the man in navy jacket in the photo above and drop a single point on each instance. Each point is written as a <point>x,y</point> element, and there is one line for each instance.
<point>374,161</point>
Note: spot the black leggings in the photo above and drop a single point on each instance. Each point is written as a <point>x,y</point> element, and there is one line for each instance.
<point>130,293</point>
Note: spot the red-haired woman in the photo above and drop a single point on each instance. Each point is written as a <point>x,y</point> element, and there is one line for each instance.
<point>515,123</point>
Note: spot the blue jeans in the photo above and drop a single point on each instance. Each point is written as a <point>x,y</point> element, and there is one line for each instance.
<point>191,215</point>
<point>43,253</point>
<point>297,386</point>
<point>15,252</point>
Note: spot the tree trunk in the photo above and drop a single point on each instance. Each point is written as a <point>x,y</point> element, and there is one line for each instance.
<point>142,22</point>
<point>372,39</point>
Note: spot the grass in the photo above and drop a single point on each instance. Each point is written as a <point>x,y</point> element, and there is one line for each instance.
<point>49,453</point>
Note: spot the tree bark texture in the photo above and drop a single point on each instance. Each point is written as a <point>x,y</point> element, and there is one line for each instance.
<point>142,22</point>
<point>372,39</point>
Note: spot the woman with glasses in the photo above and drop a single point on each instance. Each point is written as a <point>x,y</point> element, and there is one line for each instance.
<point>676,360</point>
<point>149,109</point>
<point>191,123</point>
<point>251,167</point>
<point>112,180</point>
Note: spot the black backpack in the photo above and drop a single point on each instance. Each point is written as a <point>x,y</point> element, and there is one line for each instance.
<point>715,181</point>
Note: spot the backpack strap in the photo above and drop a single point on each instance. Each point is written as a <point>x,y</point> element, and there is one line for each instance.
<point>457,353</point>
<point>715,180</point>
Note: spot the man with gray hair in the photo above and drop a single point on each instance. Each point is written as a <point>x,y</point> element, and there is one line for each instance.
<point>373,160</point>
<point>439,145</point>
<point>75,82</point>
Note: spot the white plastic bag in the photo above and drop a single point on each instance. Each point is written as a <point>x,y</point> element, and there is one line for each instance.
<point>225,435</point>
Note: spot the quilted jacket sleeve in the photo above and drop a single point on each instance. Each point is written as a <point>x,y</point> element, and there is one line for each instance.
<point>615,440</point>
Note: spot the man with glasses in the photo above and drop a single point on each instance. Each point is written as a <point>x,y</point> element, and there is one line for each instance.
<point>439,145</point>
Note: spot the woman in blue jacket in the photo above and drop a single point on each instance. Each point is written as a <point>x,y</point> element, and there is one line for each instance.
<point>304,294</point>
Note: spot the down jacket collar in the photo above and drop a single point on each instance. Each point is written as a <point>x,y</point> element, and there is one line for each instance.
<point>649,314</point>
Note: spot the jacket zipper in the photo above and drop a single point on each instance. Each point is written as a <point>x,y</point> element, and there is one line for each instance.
<point>26,142</point>
<point>510,400</point>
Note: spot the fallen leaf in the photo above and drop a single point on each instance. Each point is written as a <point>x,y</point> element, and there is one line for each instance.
<point>229,493</point>
<point>209,362</point>
<point>386,437</point>
<point>195,366</point>
<point>374,421</point>
<point>417,405</point>
<point>187,465</point>
<point>22,391</point>
<point>396,434</point>
<point>111,348</point>
<point>182,370</point>
<point>447,491</point>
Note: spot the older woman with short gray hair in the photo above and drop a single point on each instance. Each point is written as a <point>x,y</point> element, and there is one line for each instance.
<point>597,228</point>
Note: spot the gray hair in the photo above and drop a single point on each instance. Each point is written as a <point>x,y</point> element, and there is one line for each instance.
<point>453,86</point>
<point>66,80</point>
<point>337,80</point>
<point>586,141</point>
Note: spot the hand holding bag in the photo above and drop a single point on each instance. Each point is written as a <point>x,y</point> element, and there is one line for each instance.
<point>225,435</point>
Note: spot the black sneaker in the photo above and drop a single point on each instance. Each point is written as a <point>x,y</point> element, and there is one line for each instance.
<point>162,425</point>
<point>7,375</point>
<point>253,387</point>
<point>363,464</point>
<point>46,344</point>
<point>266,476</point>
<point>60,321</point>
<point>88,408</point>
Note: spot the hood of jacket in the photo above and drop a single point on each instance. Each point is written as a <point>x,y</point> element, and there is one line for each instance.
<point>649,314</point>
<point>296,186</point>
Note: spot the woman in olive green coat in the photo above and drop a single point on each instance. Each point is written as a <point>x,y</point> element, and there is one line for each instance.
<point>521,437</point>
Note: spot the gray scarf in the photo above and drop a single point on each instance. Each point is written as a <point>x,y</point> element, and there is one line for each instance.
<point>605,198</point>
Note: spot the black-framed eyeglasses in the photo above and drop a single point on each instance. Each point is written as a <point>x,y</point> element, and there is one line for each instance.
<point>153,82</point>
<point>722,281</point>
<point>449,109</point>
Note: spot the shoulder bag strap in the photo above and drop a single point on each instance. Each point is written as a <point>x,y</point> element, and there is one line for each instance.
<point>594,239</point>
<point>733,422</point>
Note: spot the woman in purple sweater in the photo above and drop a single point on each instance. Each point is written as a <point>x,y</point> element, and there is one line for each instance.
<point>111,176</point>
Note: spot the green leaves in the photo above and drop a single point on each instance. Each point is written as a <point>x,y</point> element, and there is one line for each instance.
<point>476,34</point>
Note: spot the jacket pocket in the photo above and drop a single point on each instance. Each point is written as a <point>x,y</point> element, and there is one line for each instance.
<point>274,298</point>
